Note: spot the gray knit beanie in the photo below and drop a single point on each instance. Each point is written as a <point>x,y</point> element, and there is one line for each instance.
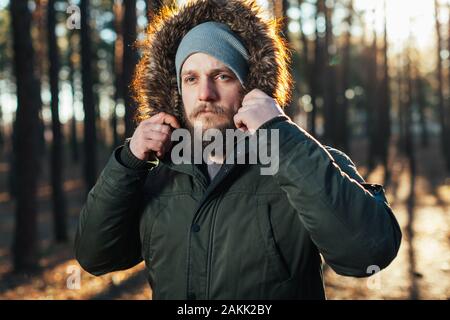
<point>217,40</point>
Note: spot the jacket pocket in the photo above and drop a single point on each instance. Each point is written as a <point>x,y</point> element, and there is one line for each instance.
<point>275,260</point>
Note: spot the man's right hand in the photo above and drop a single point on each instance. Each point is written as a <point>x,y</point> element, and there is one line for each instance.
<point>153,135</point>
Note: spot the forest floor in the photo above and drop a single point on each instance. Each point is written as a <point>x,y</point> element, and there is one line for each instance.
<point>420,271</point>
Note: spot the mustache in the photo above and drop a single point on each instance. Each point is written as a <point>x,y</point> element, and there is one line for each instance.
<point>214,108</point>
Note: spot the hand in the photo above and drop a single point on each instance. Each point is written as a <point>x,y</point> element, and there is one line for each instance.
<point>153,135</point>
<point>257,108</point>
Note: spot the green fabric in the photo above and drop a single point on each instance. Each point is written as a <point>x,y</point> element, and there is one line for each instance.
<point>129,160</point>
<point>244,235</point>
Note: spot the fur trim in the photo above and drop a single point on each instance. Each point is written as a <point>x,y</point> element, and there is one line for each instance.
<point>154,84</point>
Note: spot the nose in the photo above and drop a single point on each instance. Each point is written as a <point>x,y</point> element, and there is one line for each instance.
<point>207,90</point>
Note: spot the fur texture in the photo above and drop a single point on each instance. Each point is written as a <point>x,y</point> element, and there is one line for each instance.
<point>154,84</point>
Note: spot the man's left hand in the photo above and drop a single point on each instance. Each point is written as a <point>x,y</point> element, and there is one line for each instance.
<point>257,108</point>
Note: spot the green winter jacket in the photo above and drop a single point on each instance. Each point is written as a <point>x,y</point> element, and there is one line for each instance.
<point>244,235</point>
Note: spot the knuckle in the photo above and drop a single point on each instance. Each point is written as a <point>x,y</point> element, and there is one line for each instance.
<point>165,129</point>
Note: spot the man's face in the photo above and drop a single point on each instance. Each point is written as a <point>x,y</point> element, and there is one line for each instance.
<point>211,93</point>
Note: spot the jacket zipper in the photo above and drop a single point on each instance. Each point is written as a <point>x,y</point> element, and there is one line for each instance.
<point>223,173</point>
<point>210,248</point>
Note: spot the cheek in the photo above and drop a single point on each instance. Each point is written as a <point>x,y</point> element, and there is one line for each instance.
<point>188,102</point>
<point>232,99</point>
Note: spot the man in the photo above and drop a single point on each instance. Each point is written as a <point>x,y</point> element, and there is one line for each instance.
<point>219,230</point>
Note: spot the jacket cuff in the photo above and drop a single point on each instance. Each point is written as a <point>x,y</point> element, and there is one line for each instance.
<point>129,160</point>
<point>272,121</point>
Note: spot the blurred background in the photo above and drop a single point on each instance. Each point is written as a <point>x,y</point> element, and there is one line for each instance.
<point>372,77</point>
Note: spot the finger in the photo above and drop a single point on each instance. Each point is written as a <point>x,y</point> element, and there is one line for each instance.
<point>238,120</point>
<point>171,120</point>
<point>155,118</point>
<point>156,135</point>
<point>257,93</point>
<point>163,117</point>
<point>253,94</point>
<point>165,146</point>
<point>160,128</point>
<point>154,145</point>
<point>243,128</point>
<point>248,100</point>
<point>246,107</point>
<point>255,98</point>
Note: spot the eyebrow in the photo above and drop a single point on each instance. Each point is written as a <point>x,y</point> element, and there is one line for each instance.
<point>216,70</point>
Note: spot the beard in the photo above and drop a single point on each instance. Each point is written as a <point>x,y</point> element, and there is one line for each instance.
<point>218,118</point>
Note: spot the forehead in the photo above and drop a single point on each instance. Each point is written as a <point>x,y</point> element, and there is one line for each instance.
<point>202,62</point>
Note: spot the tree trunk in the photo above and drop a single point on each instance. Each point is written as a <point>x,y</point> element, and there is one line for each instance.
<point>329,81</point>
<point>129,62</point>
<point>342,114</point>
<point>318,68</point>
<point>118,60</point>
<point>422,103</point>
<point>447,113</point>
<point>292,110</point>
<point>372,102</point>
<point>56,163</point>
<point>2,131</point>
<point>284,8</point>
<point>409,139</point>
<point>280,8</point>
<point>73,121</point>
<point>25,141</point>
<point>442,116</point>
<point>401,105</point>
<point>384,109</point>
<point>90,134</point>
<point>309,76</point>
<point>38,16</point>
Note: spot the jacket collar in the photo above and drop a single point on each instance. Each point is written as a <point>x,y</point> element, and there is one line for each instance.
<point>195,171</point>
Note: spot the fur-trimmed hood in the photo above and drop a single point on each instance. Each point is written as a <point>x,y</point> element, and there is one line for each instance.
<point>154,84</point>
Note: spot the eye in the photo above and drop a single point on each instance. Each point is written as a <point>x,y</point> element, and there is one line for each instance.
<point>223,76</point>
<point>189,79</point>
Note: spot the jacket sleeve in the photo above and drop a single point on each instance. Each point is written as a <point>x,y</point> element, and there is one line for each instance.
<point>107,238</point>
<point>349,220</point>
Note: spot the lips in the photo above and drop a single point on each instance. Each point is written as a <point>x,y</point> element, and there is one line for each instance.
<point>206,112</point>
<point>209,111</point>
